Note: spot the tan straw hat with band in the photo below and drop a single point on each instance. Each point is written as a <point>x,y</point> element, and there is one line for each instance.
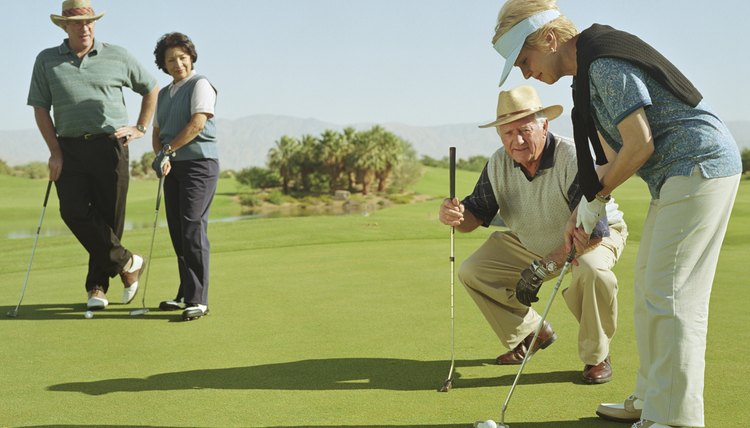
<point>518,103</point>
<point>75,10</point>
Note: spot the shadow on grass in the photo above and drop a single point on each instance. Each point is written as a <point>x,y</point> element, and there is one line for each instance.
<point>70,311</point>
<point>581,423</point>
<point>316,375</point>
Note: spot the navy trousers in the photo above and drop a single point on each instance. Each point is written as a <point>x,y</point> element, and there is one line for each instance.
<point>189,189</point>
<point>92,190</point>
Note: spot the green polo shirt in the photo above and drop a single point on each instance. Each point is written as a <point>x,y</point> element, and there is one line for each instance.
<point>85,94</point>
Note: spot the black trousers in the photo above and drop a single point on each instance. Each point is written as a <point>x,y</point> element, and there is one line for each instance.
<point>92,190</point>
<point>188,192</point>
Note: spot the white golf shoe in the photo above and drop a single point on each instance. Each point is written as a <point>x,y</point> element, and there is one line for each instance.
<point>628,411</point>
<point>194,311</point>
<point>97,299</point>
<point>130,278</point>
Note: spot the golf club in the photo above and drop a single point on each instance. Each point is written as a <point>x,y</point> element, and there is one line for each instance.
<point>144,309</point>
<point>448,384</point>
<point>14,312</point>
<point>487,424</point>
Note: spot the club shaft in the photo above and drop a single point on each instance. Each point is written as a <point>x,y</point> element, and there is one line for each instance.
<point>151,247</point>
<point>526,357</point>
<point>452,189</point>
<point>33,248</point>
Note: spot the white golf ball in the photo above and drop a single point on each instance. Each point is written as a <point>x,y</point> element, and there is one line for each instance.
<point>88,315</point>
<point>489,423</point>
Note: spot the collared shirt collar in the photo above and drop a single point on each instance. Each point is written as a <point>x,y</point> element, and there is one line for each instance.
<point>548,157</point>
<point>65,49</point>
<point>174,87</point>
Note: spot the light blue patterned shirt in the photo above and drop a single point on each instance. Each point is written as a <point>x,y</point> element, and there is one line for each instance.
<point>684,136</point>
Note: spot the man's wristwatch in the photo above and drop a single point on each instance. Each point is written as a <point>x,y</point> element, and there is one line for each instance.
<point>167,149</point>
<point>550,265</point>
<point>539,269</point>
<point>603,198</point>
<point>140,128</point>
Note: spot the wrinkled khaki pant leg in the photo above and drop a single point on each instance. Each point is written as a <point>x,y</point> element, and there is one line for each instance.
<point>490,275</point>
<point>592,296</point>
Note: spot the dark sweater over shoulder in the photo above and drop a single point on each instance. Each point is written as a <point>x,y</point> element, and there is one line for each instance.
<point>600,41</point>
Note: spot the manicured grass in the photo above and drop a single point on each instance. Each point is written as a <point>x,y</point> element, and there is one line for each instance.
<point>316,321</point>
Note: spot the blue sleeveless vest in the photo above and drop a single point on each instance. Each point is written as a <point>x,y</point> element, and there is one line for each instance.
<point>173,114</point>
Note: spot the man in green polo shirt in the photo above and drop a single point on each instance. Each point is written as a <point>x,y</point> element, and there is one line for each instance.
<point>81,81</point>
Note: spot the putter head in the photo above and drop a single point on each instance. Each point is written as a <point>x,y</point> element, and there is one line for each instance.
<point>447,385</point>
<point>137,312</point>
<point>12,313</point>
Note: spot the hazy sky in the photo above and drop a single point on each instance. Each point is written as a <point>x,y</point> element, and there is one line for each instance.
<point>419,62</point>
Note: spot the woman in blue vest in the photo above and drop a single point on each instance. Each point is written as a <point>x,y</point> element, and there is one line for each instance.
<point>642,116</point>
<point>184,131</point>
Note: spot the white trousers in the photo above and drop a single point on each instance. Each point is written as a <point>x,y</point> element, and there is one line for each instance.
<point>674,272</point>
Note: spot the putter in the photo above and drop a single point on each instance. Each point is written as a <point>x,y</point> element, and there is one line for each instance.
<point>144,309</point>
<point>448,384</point>
<point>14,312</point>
<point>568,261</point>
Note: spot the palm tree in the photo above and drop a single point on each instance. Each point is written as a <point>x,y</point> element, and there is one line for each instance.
<point>353,141</point>
<point>332,149</point>
<point>389,149</point>
<point>365,159</point>
<point>305,161</point>
<point>281,158</point>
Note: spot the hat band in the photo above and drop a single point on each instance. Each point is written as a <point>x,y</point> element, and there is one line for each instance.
<point>78,11</point>
<point>517,35</point>
<point>526,110</point>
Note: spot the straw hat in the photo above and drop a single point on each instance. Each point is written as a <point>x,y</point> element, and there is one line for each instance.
<point>75,10</point>
<point>518,103</point>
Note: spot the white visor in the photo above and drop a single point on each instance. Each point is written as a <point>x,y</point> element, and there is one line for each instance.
<point>511,43</point>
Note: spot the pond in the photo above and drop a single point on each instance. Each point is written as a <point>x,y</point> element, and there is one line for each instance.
<point>297,210</point>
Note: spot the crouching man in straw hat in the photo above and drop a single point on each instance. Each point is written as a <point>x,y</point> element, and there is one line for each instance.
<point>81,82</point>
<point>530,186</point>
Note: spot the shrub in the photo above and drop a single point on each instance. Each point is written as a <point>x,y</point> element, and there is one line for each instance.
<point>745,160</point>
<point>259,178</point>
<point>275,197</point>
<point>249,200</point>
<point>32,170</point>
<point>5,169</point>
<point>400,199</point>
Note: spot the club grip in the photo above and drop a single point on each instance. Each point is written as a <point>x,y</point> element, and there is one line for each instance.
<point>46,194</point>
<point>571,254</point>
<point>452,158</point>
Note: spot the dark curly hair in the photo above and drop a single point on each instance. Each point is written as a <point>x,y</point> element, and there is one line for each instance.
<point>173,40</point>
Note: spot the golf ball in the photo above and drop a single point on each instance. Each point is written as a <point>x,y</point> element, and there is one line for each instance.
<point>489,423</point>
<point>88,315</point>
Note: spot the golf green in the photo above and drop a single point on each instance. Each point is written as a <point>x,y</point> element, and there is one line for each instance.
<point>331,321</point>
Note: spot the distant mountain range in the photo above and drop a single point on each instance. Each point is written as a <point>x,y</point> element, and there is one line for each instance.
<point>245,142</point>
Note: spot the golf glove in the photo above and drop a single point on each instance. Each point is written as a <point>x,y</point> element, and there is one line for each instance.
<point>531,281</point>
<point>158,164</point>
<point>589,213</point>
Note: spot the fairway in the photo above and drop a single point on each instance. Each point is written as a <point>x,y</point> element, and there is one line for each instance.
<point>332,321</point>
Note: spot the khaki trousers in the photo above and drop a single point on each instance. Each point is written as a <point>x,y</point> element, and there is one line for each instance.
<point>677,258</point>
<point>490,275</point>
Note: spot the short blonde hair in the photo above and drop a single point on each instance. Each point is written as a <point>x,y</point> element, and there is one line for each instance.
<point>515,11</point>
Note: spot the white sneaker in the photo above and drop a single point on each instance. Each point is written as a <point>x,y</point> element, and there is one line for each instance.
<point>628,411</point>
<point>194,311</point>
<point>97,299</point>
